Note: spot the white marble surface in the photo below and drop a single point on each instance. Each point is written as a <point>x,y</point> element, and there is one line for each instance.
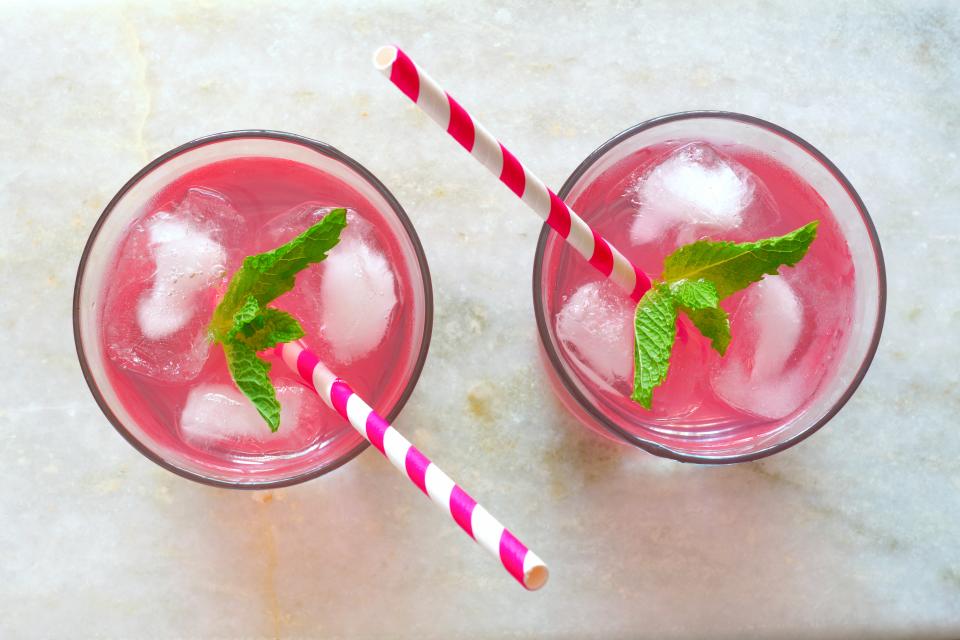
<point>854,532</point>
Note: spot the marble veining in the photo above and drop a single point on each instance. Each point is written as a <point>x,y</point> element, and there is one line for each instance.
<point>851,533</point>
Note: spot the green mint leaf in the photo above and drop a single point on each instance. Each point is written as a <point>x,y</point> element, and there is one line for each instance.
<point>696,277</point>
<point>267,276</point>
<point>243,324</point>
<point>243,316</point>
<point>733,266</point>
<point>714,323</point>
<point>695,294</point>
<point>655,327</point>
<point>249,373</point>
<point>700,302</point>
<point>268,329</point>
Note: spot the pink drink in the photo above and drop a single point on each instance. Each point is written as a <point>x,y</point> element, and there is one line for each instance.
<point>791,333</point>
<point>365,309</point>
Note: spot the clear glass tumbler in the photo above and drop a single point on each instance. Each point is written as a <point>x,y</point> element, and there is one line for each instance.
<point>617,417</point>
<point>154,435</point>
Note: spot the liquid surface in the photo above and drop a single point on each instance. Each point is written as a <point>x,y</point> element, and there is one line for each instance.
<point>170,271</point>
<point>786,329</point>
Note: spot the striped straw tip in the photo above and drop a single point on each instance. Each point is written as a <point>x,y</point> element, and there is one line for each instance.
<point>536,575</point>
<point>384,57</point>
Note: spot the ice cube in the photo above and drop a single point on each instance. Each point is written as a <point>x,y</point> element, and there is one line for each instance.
<point>163,290</point>
<point>212,212</point>
<point>777,318</point>
<point>345,302</point>
<point>697,188</point>
<point>357,298</point>
<point>595,325</point>
<point>290,223</point>
<point>188,261</point>
<point>755,374</point>
<point>221,413</point>
<point>176,359</point>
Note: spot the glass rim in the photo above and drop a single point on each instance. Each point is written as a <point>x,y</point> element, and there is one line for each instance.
<point>648,445</point>
<point>326,150</point>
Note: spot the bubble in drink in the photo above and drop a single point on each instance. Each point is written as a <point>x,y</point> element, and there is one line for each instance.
<point>158,306</point>
<point>758,375</point>
<point>697,190</point>
<point>595,324</point>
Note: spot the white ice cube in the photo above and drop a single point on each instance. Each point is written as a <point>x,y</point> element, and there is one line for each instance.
<point>161,297</point>
<point>595,323</point>
<point>348,298</point>
<point>188,262</point>
<point>696,187</point>
<point>777,318</point>
<point>755,375</point>
<point>220,412</point>
<point>289,224</point>
<point>357,298</point>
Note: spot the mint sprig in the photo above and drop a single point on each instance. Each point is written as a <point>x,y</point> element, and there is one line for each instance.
<point>655,324</point>
<point>696,277</point>
<point>243,324</point>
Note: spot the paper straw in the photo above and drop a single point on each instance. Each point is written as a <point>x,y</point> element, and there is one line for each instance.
<point>517,559</point>
<point>472,136</point>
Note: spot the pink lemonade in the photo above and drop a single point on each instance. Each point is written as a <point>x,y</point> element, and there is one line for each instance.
<point>363,311</point>
<point>789,332</point>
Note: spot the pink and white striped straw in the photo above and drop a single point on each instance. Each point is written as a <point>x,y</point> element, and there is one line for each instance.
<point>447,112</point>
<point>517,559</point>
